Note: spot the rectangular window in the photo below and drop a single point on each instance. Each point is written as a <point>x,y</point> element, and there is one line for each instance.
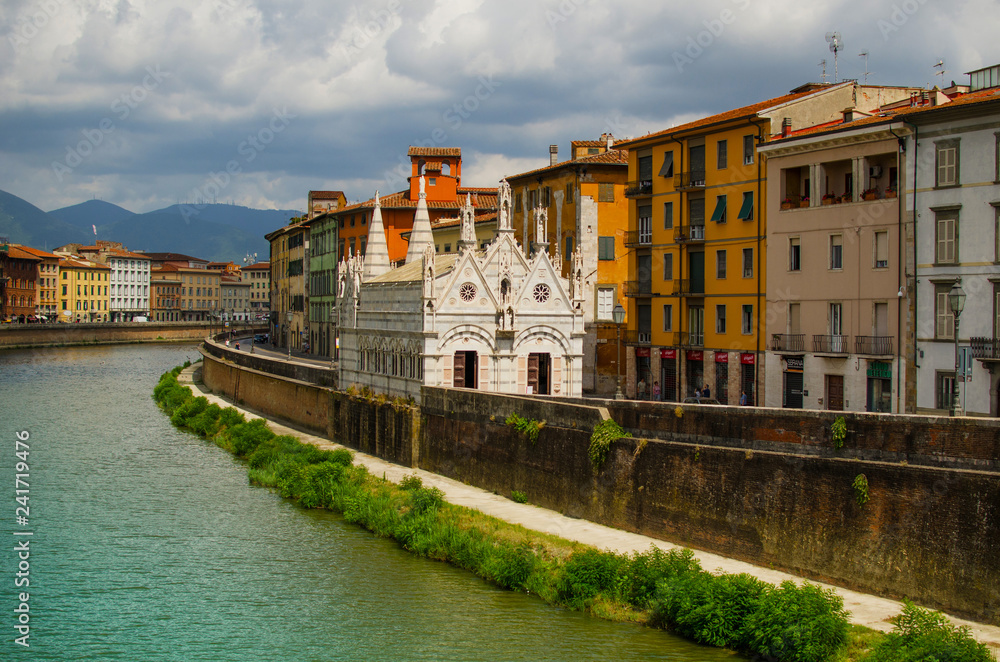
<point>569,193</point>
<point>668,215</point>
<point>946,163</point>
<point>720,319</point>
<point>944,319</point>
<point>645,222</point>
<point>836,251</point>
<point>720,264</point>
<point>605,248</point>
<point>748,150</point>
<point>719,215</point>
<point>945,384</point>
<point>606,192</point>
<point>747,319</point>
<point>668,317</point>
<point>794,254</point>
<point>836,319</point>
<point>667,170</point>
<point>568,253</point>
<point>881,250</point>
<point>668,266</point>
<point>748,263</point>
<point>605,303</point>
<point>645,168</point>
<point>946,239</point>
<point>746,209</point>
<point>721,156</point>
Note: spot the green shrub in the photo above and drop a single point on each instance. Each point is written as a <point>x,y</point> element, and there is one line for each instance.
<point>206,423</point>
<point>509,566</point>
<point>642,572</point>
<point>528,427</point>
<point>188,410</point>
<point>411,482</point>
<point>341,456</point>
<point>246,437</point>
<point>796,623</point>
<point>423,499</point>
<point>518,497</point>
<point>600,441</point>
<point>710,609</point>
<point>839,431</point>
<point>921,635</point>
<point>585,574</point>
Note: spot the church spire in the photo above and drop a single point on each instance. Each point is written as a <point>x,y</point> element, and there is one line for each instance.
<point>377,251</point>
<point>421,235</point>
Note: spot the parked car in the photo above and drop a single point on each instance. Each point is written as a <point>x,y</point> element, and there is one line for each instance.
<point>701,401</point>
<point>260,338</point>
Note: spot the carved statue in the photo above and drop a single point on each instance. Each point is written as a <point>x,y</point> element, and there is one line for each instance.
<point>468,225</point>
<point>541,223</point>
<point>423,189</point>
<point>504,219</point>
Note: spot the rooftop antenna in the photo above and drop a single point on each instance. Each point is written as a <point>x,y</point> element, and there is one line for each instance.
<point>941,70</point>
<point>822,63</point>
<point>836,45</point>
<point>864,54</point>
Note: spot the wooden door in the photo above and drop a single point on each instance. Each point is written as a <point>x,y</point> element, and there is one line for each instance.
<point>835,392</point>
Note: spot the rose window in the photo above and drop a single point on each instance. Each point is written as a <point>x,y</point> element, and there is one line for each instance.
<point>467,292</point>
<point>541,293</point>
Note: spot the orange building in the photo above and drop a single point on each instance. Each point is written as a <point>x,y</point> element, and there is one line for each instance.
<point>441,168</point>
<point>587,211</point>
<point>48,283</point>
<point>19,283</point>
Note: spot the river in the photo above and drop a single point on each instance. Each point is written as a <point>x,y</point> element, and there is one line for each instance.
<point>149,544</point>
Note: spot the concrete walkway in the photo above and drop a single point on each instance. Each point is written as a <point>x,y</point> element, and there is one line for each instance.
<point>868,610</point>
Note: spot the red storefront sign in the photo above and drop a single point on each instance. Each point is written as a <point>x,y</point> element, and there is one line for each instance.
<point>668,353</point>
<point>748,359</point>
<point>722,357</point>
<point>642,352</point>
<point>695,355</point>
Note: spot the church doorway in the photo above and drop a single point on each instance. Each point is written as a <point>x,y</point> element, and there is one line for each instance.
<point>466,364</point>
<point>539,374</point>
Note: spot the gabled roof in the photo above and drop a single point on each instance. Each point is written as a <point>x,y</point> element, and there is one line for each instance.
<point>18,253</point>
<point>482,198</point>
<point>413,271</point>
<point>615,157</point>
<point>40,253</point>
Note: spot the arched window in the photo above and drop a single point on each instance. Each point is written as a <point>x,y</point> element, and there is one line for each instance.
<point>446,167</point>
<point>421,166</point>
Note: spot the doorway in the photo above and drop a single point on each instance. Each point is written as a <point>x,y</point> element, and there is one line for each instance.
<point>835,392</point>
<point>466,364</point>
<point>539,371</point>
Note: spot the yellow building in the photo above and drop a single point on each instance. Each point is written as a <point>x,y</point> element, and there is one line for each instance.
<point>697,244</point>
<point>587,211</point>
<point>83,290</point>
<point>288,285</point>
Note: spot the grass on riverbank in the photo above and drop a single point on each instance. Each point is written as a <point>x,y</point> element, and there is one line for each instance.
<point>663,589</point>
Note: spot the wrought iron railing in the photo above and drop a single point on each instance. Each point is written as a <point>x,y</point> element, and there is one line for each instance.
<point>985,348</point>
<point>638,187</point>
<point>788,342</point>
<point>873,345</point>
<point>638,288</point>
<point>689,233</point>
<point>831,344</point>
<point>690,179</point>
<point>635,238</point>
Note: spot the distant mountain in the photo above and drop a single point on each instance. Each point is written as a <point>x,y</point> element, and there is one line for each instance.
<point>213,232</point>
<point>91,213</point>
<point>24,223</point>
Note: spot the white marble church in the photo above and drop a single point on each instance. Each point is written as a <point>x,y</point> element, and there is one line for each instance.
<point>488,319</point>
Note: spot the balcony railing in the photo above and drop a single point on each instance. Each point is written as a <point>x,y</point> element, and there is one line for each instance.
<point>985,348</point>
<point>832,344</point>
<point>633,337</point>
<point>689,233</point>
<point>685,287</point>
<point>637,188</point>
<point>635,238</point>
<point>688,339</point>
<point>788,342</point>
<point>873,345</point>
<point>690,180</point>
<point>638,288</point>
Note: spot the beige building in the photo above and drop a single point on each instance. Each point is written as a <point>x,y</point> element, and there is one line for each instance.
<point>289,262</point>
<point>836,317</point>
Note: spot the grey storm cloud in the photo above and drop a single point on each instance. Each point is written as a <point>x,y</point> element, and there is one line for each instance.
<point>142,101</point>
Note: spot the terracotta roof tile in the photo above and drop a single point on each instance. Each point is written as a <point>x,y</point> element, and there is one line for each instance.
<point>482,198</point>
<point>434,151</point>
<point>37,252</point>
<point>19,253</point>
<point>616,157</point>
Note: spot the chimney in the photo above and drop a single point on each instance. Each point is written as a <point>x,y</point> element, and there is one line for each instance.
<point>553,154</point>
<point>786,127</point>
<point>610,141</point>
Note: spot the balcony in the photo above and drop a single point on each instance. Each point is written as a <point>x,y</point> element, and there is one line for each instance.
<point>686,287</point>
<point>687,339</point>
<point>873,345</point>
<point>788,342</point>
<point>638,188</point>
<point>686,181</point>
<point>692,233</point>
<point>831,344</point>
<point>635,238</point>
<point>987,349</point>
<point>633,337</point>
<point>638,288</point>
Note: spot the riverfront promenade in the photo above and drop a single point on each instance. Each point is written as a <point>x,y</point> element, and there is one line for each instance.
<point>867,610</point>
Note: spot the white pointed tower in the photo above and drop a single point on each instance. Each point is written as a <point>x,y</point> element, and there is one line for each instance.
<point>377,251</point>
<point>421,235</point>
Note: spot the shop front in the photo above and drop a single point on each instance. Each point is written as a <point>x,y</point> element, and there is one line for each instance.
<point>793,382</point>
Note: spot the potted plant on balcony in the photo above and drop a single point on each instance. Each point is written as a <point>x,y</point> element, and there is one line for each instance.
<point>890,192</point>
<point>870,194</point>
<point>804,202</point>
<point>787,203</point>
<point>828,198</point>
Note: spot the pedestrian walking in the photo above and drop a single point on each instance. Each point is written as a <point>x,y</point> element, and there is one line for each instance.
<point>706,392</point>
<point>743,399</point>
<point>656,390</point>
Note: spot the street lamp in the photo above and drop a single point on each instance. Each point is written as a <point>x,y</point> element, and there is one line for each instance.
<point>618,315</point>
<point>289,336</point>
<point>956,302</point>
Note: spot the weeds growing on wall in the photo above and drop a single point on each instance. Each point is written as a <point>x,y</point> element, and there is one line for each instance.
<point>838,430</point>
<point>662,588</point>
<point>600,441</point>
<point>526,426</point>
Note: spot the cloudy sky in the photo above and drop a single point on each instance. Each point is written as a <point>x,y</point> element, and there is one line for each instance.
<point>145,103</point>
